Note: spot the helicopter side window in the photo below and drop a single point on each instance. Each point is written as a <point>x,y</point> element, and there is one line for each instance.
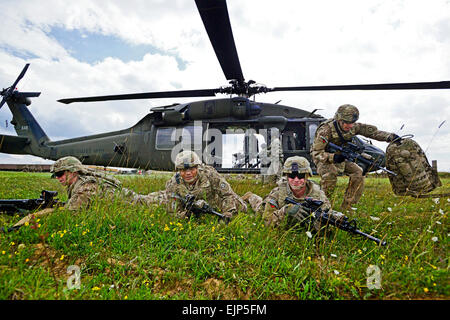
<point>167,138</point>
<point>164,138</point>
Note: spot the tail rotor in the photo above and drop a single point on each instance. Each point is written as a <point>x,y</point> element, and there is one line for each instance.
<point>12,93</point>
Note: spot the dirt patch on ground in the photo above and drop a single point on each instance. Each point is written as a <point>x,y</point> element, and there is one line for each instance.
<point>47,257</point>
<point>217,289</point>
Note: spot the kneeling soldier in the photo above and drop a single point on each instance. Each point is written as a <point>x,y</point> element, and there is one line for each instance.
<point>340,130</point>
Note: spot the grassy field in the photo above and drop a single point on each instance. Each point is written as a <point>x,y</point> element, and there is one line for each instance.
<point>137,252</point>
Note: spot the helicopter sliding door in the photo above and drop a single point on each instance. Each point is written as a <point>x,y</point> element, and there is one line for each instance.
<point>237,146</point>
<point>298,138</point>
<point>294,139</point>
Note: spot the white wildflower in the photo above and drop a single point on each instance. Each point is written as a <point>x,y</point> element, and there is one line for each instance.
<point>336,272</point>
<point>309,234</point>
<point>434,239</point>
<point>374,218</point>
<point>389,209</point>
<point>436,200</point>
<point>441,211</point>
<point>354,209</point>
<point>333,255</point>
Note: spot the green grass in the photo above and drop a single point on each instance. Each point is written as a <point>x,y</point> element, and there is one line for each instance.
<point>137,252</point>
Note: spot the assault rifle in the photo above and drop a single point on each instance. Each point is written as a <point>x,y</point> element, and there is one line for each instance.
<point>188,202</point>
<point>47,200</point>
<point>352,152</point>
<point>324,217</point>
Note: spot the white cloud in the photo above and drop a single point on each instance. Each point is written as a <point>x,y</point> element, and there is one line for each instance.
<point>288,43</point>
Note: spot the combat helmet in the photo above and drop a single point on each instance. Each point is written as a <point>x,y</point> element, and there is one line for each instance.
<point>69,163</point>
<point>348,113</point>
<point>296,163</point>
<point>187,159</point>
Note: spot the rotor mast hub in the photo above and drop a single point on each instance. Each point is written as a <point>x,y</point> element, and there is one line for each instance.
<point>243,88</point>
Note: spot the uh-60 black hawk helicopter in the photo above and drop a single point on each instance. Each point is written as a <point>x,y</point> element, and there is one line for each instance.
<point>153,141</point>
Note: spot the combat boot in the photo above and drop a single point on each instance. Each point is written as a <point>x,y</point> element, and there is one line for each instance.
<point>346,206</point>
<point>354,192</point>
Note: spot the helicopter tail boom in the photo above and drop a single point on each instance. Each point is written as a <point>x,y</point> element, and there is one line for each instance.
<point>31,138</point>
<point>13,145</point>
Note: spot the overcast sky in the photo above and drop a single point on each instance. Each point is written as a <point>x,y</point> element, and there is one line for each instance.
<point>83,48</point>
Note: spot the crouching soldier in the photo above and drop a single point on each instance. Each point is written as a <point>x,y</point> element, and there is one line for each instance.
<point>83,185</point>
<point>295,185</point>
<point>340,130</point>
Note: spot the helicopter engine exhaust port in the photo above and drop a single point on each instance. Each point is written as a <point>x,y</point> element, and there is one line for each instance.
<point>172,117</point>
<point>244,111</point>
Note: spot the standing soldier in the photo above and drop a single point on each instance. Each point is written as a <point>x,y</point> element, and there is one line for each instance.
<point>201,181</point>
<point>83,185</point>
<point>340,130</point>
<point>296,185</point>
<point>274,172</point>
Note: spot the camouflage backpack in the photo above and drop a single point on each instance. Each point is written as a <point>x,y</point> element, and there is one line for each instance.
<point>415,176</point>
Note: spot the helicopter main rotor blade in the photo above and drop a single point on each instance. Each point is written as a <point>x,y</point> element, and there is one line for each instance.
<point>8,92</point>
<point>146,95</point>
<point>24,70</point>
<point>2,102</point>
<point>378,86</point>
<point>217,24</point>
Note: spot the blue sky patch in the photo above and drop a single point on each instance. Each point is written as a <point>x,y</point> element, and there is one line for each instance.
<point>25,55</point>
<point>94,47</point>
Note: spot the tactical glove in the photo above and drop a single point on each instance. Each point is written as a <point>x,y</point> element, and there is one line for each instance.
<point>296,211</point>
<point>292,209</point>
<point>395,138</point>
<point>200,203</point>
<point>227,217</point>
<point>228,214</point>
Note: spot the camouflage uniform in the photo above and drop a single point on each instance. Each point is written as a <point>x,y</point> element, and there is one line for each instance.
<point>327,168</point>
<point>274,206</point>
<point>88,185</point>
<point>209,186</point>
<point>157,197</point>
<point>275,210</point>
